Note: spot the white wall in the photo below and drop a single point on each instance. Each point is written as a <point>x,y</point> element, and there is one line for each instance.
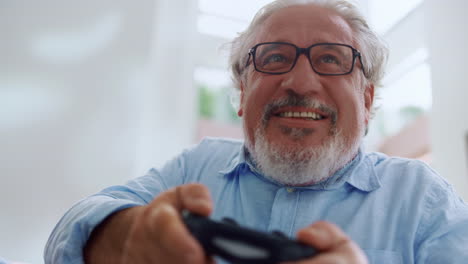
<point>92,93</point>
<point>439,27</point>
<point>445,23</point>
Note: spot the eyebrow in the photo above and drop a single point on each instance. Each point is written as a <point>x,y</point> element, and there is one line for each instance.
<point>336,48</point>
<point>272,46</point>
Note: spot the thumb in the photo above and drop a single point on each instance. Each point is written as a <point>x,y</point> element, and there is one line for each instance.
<point>323,235</point>
<point>193,197</point>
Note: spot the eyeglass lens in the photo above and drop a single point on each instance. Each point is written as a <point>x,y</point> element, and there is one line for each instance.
<point>324,58</point>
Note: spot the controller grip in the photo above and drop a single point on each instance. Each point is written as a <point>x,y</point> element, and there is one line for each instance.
<point>238,244</point>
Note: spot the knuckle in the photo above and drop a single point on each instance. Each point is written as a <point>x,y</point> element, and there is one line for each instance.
<point>325,225</point>
<point>162,214</point>
<point>331,230</point>
<point>194,190</point>
<point>158,217</point>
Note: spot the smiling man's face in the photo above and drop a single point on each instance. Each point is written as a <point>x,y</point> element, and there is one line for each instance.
<point>296,116</point>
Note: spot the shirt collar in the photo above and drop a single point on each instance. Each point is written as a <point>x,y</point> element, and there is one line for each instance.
<point>240,159</point>
<point>364,176</point>
<point>359,173</point>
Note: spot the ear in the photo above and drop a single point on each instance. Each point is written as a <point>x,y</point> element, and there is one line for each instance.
<point>241,100</point>
<point>368,101</point>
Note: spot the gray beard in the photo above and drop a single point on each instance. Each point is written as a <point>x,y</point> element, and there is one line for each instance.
<point>296,165</point>
<point>293,164</point>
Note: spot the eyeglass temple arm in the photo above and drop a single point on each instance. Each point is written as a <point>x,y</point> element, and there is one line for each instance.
<point>358,54</point>
<point>248,58</point>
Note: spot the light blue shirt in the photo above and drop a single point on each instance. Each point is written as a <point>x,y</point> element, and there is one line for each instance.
<point>397,210</point>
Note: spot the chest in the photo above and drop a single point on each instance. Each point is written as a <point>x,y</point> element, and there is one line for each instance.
<point>371,220</point>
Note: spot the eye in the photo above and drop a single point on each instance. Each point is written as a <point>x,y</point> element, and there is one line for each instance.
<point>328,58</point>
<point>274,58</point>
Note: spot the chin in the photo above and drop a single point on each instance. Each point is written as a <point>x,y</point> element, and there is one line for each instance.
<point>294,164</point>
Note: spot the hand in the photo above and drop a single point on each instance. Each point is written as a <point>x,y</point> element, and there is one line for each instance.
<point>153,233</point>
<point>334,246</point>
<point>158,234</point>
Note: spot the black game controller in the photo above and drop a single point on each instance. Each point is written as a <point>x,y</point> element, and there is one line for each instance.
<point>238,245</point>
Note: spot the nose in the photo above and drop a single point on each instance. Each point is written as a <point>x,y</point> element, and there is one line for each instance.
<point>302,79</point>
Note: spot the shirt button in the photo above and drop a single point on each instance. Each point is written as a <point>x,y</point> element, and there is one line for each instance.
<point>290,190</point>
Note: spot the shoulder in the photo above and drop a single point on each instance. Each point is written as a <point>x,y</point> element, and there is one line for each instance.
<point>403,170</point>
<point>211,147</point>
<point>219,143</point>
<point>410,179</point>
<point>213,154</point>
<point>382,160</point>
<point>414,180</point>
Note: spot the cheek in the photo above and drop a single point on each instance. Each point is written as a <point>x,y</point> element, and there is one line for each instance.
<point>358,110</point>
<point>361,113</point>
<point>252,104</point>
<point>351,108</point>
<point>257,93</point>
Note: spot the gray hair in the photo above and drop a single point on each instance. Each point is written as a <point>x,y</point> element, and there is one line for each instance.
<point>373,50</point>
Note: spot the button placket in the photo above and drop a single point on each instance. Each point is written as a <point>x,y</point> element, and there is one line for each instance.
<point>284,210</point>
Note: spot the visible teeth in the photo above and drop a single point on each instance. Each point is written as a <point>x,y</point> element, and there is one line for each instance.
<point>311,115</point>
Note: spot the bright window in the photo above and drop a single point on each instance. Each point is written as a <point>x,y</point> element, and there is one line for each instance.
<point>384,15</point>
<point>226,18</point>
<point>406,94</point>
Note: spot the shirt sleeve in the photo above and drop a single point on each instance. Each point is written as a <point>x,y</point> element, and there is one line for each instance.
<point>67,240</point>
<point>444,229</point>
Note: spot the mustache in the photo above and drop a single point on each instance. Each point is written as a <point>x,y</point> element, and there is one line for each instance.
<point>294,99</point>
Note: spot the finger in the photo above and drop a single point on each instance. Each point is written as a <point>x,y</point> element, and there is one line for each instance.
<point>174,237</point>
<point>195,198</point>
<point>333,243</point>
<point>323,236</point>
<point>321,259</point>
<point>345,255</point>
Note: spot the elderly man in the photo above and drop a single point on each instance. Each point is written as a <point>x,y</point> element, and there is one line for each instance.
<point>307,71</point>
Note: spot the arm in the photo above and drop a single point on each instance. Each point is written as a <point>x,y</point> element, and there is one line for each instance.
<point>151,233</point>
<point>109,236</point>
<point>67,240</point>
<point>73,230</point>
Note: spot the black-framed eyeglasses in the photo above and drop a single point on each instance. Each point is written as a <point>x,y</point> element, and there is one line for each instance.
<point>325,58</point>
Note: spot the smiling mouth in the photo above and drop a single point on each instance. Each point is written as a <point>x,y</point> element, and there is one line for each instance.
<point>301,115</point>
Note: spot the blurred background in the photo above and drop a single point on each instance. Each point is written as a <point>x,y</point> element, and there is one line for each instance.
<point>93,93</point>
